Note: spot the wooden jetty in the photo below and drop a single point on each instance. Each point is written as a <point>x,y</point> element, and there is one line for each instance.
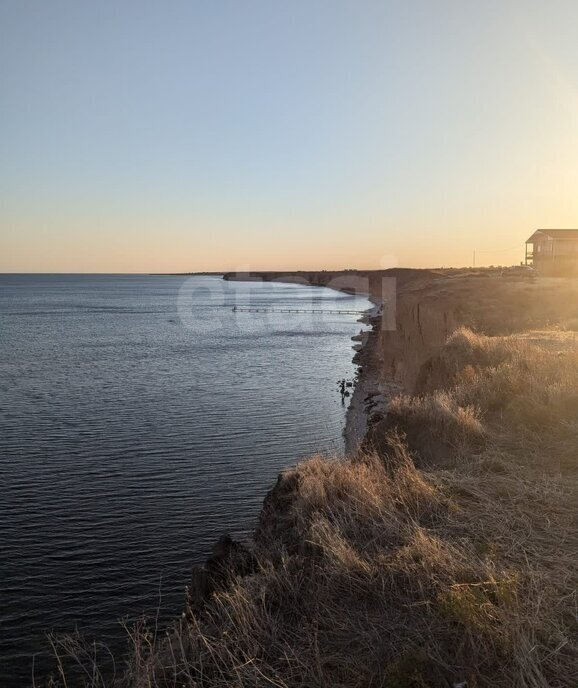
<point>321,311</point>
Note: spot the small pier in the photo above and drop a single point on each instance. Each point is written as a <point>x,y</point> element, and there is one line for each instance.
<point>321,311</point>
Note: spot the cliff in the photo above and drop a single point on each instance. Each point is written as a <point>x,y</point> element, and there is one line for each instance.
<point>442,551</point>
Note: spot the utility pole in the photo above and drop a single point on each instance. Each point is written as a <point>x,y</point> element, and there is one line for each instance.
<point>474,259</point>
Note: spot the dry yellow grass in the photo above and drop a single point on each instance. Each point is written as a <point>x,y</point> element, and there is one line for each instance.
<point>433,559</point>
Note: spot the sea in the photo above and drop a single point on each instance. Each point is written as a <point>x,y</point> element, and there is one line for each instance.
<point>141,417</point>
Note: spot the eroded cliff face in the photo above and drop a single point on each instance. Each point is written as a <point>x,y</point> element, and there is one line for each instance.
<point>428,311</point>
<point>422,326</point>
<point>421,309</point>
<point>414,322</point>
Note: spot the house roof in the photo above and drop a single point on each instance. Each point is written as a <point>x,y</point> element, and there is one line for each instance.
<point>554,234</point>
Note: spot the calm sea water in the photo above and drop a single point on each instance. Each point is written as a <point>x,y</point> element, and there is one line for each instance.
<point>140,418</point>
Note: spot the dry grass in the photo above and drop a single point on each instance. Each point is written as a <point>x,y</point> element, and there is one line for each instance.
<point>375,572</point>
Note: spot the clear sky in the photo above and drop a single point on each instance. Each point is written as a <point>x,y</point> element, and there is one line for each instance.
<point>175,135</point>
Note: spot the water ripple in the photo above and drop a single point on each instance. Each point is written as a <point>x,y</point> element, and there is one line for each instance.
<point>128,443</point>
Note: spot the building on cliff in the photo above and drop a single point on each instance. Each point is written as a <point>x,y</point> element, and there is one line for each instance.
<point>553,251</point>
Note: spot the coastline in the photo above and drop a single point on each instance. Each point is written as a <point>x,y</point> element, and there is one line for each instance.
<point>437,555</point>
<point>370,396</point>
<point>295,548</point>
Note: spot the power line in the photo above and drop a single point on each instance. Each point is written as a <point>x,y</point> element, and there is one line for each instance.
<point>500,250</point>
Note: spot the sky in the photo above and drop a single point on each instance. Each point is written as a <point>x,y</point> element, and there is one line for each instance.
<point>180,135</point>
